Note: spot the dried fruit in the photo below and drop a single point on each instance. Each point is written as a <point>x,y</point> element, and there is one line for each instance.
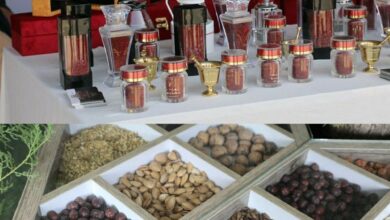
<point>250,214</point>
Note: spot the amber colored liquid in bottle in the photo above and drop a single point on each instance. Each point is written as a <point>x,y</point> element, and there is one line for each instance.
<point>269,72</point>
<point>274,36</point>
<point>356,29</point>
<point>135,96</point>
<point>234,78</point>
<point>120,47</point>
<point>175,85</point>
<point>300,67</point>
<point>344,63</point>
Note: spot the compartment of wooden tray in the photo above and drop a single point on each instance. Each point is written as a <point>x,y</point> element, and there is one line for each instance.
<point>48,164</point>
<point>219,175</point>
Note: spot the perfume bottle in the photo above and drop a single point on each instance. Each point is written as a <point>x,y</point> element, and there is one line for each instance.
<point>237,23</point>
<point>260,11</point>
<point>190,19</point>
<point>74,28</point>
<point>116,36</point>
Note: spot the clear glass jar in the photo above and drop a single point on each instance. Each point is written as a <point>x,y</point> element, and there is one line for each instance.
<point>355,22</point>
<point>147,43</point>
<point>343,56</point>
<point>300,61</point>
<point>174,77</point>
<point>274,29</point>
<point>269,65</point>
<point>339,15</point>
<point>233,71</point>
<point>134,88</point>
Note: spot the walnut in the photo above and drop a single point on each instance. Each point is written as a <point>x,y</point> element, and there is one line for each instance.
<point>243,149</point>
<point>241,159</point>
<point>224,129</point>
<point>270,147</point>
<point>245,143</point>
<point>255,157</point>
<point>218,151</point>
<point>231,136</point>
<point>216,139</point>
<point>258,139</point>
<point>195,142</point>
<point>226,160</point>
<point>232,126</point>
<point>206,150</point>
<point>258,147</point>
<point>245,134</point>
<point>212,130</point>
<point>231,146</point>
<point>203,136</point>
<point>239,168</point>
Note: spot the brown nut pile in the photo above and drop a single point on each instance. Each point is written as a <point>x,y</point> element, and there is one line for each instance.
<point>84,209</point>
<point>320,196</point>
<point>249,214</point>
<point>379,169</point>
<point>167,187</point>
<point>94,147</point>
<point>234,146</point>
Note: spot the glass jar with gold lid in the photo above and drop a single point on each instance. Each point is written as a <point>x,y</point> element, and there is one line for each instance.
<point>233,71</point>
<point>174,77</point>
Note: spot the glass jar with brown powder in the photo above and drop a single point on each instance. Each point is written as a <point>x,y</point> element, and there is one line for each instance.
<point>269,65</point>
<point>174,77</point>
<point>343,56</point>
<point>274,29</point>
<point>355,22</point>
<point>300,60</point>
<point>134,88</point>
<point>233,71</point>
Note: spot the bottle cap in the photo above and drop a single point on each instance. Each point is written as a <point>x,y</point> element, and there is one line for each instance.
<point>134,72</point>
<point>343,43</point>
<point>190,2</point>
<point>116,14</point>
<point>234,57</point>
<point>146,35</point>
<point>303,47</point>
<point>269,51</point>
<point>174,64</point>
<point>355,11</point>
<point>275,21</point>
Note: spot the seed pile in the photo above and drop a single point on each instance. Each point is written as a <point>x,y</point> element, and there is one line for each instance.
<point>249,214</point>
<point>234,146</point>
<point>379,169</point>
<point>94,147</point>
<point>317,194</point>
<point>83,209</point>
<point>167,187</point>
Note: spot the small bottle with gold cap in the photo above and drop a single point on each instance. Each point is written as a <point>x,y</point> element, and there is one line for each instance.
<point>343,56</point>
<point>147,41</point>
<point>274,28</point>
<point>300,61</point>
<point>233,71</point>
<point>174,77</point>
<point>269,65</point>
<point>134,88</point>
<point>355,22</point>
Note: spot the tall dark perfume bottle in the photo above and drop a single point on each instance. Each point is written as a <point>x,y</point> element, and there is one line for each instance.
<point>74,28</point>
<point>190,19</point>
<point>318,25</point>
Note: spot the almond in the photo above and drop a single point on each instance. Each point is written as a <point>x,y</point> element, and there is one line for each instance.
<point>154,166</point>
<point>172,156</point>
<point>187,206</point>
<point>161,158</point>
<point>170,203</point>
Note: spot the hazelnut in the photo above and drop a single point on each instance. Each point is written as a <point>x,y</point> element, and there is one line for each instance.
<point>216,139</point>
<point>231,146</point>
<point>195,142</point>
<point>239,168</point>
<point>241,159</point>
<point>258,147</point>
<point>255,157</point>
<point>258,139</point>
<point>245,134</point>
<point>203,137</point>
<point>218,151</point>
<point>226,160</point>
<point>243,149</point>
<point>212,130</point>
<point>232,136</point>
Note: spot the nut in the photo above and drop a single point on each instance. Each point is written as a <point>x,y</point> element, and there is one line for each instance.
<point>218,151</point>
<point>203,137</point>
<point>216,139</point>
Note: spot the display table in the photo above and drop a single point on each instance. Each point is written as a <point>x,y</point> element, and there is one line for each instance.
<point>31,92</point>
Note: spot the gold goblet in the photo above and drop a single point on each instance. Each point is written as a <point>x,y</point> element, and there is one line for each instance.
<point>209,75</point>
<point>151,64</point>
<point>370,52</point>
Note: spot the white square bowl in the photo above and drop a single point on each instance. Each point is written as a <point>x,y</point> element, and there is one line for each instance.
<point>270,134</point>
<point>59,202</point>
<point>145,131</point>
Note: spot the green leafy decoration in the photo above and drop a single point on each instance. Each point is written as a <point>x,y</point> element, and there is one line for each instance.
<point>32,138</point>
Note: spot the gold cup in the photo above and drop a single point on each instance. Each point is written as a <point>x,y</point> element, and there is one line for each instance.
<point>370,52</point>
<point>286,47</point>
<point>209,75</point>
<point>151,64</point>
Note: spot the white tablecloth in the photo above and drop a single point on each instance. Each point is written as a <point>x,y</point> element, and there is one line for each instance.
<point>31,93</point>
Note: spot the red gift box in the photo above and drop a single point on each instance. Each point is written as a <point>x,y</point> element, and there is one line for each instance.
<point>38,35</point>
